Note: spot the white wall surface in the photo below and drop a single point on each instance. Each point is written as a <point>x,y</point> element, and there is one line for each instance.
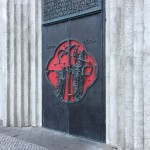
<point>128,74</point>
<point>22,92</point>
<point>3,63</point>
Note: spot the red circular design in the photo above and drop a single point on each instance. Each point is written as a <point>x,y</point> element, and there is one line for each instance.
<point>69,58</point>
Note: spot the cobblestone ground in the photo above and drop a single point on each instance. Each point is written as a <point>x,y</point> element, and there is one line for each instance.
<point>9,143</point>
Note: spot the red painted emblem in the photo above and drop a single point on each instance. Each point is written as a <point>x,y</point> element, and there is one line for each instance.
<point>71,71</point>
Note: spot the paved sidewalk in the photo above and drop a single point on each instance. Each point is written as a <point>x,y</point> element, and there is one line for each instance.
<point>10,143</point>
<point>50,139</point>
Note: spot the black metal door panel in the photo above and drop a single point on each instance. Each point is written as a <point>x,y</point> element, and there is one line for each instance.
<point>85,117</point>
<point>55,113</point>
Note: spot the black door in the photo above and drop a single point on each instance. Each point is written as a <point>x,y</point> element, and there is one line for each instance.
<point>74,67</point>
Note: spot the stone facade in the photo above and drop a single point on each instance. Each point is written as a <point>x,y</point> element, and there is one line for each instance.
<point>127,69</point>
<point>21,62</point>
<point>3,19</point>
<point>128,74</point>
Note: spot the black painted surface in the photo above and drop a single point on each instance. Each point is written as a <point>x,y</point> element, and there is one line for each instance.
<point>55,112</point>
<point>85,118</point>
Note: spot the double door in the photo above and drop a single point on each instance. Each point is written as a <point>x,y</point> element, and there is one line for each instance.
<point>74,76</point>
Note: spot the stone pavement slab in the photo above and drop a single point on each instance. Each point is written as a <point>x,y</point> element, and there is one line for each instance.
<point>52,140</point>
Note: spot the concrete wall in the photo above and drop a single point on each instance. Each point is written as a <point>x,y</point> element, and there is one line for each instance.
<point>128,74</point>
<point>3,20</point>
<point>21,61</point>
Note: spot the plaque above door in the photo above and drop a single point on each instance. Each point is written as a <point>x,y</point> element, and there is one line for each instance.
<point>58,10</point>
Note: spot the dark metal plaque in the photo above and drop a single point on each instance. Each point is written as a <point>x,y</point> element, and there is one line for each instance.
<point>57,10</point>
<point>71,71</point>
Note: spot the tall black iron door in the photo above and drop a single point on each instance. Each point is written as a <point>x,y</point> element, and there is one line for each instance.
<point>74,73</point>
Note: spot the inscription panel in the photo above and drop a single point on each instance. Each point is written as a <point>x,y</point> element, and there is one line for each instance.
<point>56,10</point>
